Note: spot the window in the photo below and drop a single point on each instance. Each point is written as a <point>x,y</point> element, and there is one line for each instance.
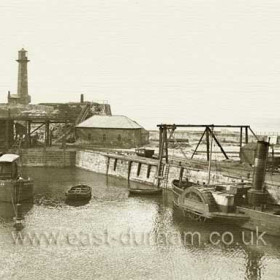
<point>89,136</point>
<point>149,170</point>
<point>5,170</point>
<point>104,137</point>
<point>139,168</point>
<point>119,138</point>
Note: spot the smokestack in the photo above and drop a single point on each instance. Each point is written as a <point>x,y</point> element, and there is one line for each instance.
<point>82,98</point>
<point>260,165</point>
<point>257,195</point>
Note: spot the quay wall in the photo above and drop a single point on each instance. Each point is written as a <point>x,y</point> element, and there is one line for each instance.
<point>131,168</point>
<point>141,170</point>
<point>114,165</point>
<point>145,171</point>
<point>48,157</point>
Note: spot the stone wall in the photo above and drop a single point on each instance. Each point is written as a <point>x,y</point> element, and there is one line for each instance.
<point>116,138</point>
<point>141,170</point>
<point>118,166</point>
<point>145,171</point>
<point>92,161</point>
<point>6,134</point>
<point>45,157</point>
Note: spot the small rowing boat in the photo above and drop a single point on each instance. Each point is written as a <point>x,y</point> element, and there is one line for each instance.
<point>150,191</point>
<point>79,192</point>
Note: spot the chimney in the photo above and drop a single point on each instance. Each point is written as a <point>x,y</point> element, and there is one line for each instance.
<point>257,195</point>
<point>22,77</point>
<point>82,98</point>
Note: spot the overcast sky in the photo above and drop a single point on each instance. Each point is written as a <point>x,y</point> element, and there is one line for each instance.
<point>176,61</point>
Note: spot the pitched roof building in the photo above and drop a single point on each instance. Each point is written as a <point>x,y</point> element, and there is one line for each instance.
<point>111,131</point>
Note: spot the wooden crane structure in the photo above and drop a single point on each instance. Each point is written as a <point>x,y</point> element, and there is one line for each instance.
<point>165,129</point>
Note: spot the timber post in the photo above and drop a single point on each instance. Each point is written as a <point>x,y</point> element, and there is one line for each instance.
<point>207,143</point>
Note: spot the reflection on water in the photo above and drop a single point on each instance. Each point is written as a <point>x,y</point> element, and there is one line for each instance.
<point>8,210</point>
<point>114,236</point>
<point>77,203</point>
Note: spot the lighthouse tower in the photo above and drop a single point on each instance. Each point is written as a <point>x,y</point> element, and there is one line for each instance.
<point>22,96</point>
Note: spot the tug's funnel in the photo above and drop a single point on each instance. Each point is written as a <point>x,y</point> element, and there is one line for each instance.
<point>257,195</point>
<point>260,165</point>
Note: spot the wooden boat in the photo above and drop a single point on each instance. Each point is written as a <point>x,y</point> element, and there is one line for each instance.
<point>178,188</point>
<point>13,187</point>
<point>181,185</point>
<point>144,152</point>
<point>204,202</point>
<point>140,191</point>
<point>79,192</point>
<point>243,204</point>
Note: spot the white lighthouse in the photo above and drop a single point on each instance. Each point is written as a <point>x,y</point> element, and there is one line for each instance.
<point>22,96</point>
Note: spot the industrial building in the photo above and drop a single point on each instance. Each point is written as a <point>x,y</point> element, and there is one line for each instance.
<point>21,120</point>
<point>111,131</point>
<point>52,123</point>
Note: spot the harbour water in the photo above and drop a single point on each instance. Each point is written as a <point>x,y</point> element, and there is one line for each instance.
<point>115,236</point>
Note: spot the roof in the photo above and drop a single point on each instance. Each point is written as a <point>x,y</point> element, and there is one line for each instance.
<point>14,96</point>
<point>249,146</point>
<point>122,122</point>
<point>9,158</point>
<point>56,112</point>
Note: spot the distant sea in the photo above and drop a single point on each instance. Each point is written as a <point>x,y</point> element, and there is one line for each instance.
<point>267,125</point>
<point>264,126</point>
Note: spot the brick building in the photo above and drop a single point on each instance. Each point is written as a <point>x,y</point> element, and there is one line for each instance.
<point>111,131</point>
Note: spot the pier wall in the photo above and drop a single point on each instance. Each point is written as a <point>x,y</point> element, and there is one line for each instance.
<point>48,157</point>
<point>144,171</point>
<point>141,170</point>
<point>131,169</point>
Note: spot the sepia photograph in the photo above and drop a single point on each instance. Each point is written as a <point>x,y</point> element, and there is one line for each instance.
<point>140,139</point>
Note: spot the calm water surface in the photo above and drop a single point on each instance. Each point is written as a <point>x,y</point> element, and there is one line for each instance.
<point>115,236</point>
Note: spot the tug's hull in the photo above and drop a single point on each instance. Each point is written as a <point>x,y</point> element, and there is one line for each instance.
<point>267,221</point>
<point>15,190</point>
<point>262,221</point>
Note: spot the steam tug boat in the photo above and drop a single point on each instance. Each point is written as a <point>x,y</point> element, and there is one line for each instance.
<point>244,204</point>
<point>13,188</point>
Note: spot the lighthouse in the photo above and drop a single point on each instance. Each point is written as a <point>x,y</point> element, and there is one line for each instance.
<point>22,96</point>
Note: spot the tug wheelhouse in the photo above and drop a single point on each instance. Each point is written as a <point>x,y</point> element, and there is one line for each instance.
<point>12,186</point>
